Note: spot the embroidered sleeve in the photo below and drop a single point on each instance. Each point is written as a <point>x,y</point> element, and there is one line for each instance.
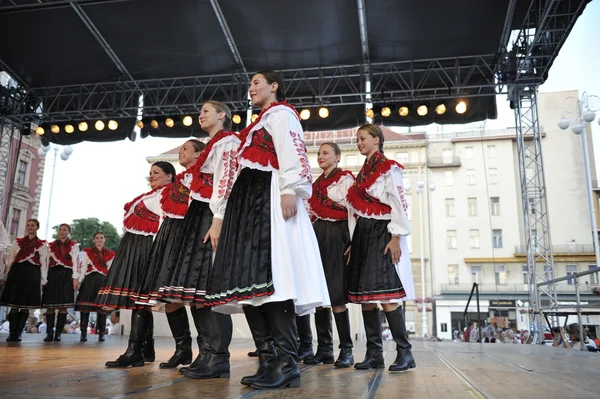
<point>225,167</point>
<point>394,196</point>
<point>152,202</point>
<point>295,175</point>
<point>44,254</point>
<point>82,267</point>
<point>338,192</point>
<point>75,254</point>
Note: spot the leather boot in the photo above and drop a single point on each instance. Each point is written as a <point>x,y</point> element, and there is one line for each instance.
<point>50,317</point>
<point>180,328</point>
<point>253,353</point>
<point>305,349</point>
<point>14,332</point>
<point>374,355</point>
<point>200,317</point>
<point>282,323</point>
<point>100,326</point>
<point>148,347</point>
<point>83,325</point>
<point>259,327</point>
<point>134,356</point>
<point>404,358</point>
<point>22,322</point>
<point>61,319</point>
<point>219,332</point>
<point>342,322</point>
<point>325,338</point>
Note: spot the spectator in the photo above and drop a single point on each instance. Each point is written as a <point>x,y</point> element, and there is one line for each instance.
<point>4,326</point>
<point>511,338</point>
<point>115,325</point>
<point>560,337</point>
<point>42,328</point>
<point>468,331</point>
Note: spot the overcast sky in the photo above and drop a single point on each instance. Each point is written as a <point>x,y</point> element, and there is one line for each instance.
<point>99,178</point>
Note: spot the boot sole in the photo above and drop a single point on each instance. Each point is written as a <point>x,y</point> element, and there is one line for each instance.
<point>412,366</point>
<point>379,366</point>
<point>169,366</point>
<point>124,366</point>
<point>208,377</point>
<point>292,384</point>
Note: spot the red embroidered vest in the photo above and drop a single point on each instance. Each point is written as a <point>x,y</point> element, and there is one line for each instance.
<point>142,219</point>
<point>202,183</point>
<point>28,247</point>
<point>261,149</point>
<point>61,251</point>
<point>323,206</point>
<point>175,197</point>
<point>98,260</point>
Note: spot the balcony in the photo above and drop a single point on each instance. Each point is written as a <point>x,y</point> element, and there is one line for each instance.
<point>486,288</point>
<point>573,249</point>
<point>443,162</point>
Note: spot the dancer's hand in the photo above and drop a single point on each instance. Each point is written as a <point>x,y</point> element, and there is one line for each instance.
<point>214,232</point>
<point>289,206</point>
<point>347,253</point>
<point>394,248</point>
<point>75,284</point>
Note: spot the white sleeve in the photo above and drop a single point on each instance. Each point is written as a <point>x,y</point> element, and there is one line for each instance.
<point>225,170</point>
<point>3,238</point>
<point>109,263</point>
<point>75,257</point>
<point>338,193</point>
<point>152,202</point>
<point>295,175</point>
<point>14,250</point>
<point>394,197</point>
<point>44,253</point>
<point>79,274</point>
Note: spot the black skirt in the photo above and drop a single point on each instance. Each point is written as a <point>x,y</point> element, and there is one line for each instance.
<point>242,266</point>
<point>126,273</point>
<point>163,256</point>
<point>88,291</point>
<point>59,292</point>
<point>188,280</point>
<point>23,287</point>
<point>334,239</point>
<point>371,275</point>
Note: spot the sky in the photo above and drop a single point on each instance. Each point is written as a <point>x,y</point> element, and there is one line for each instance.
<point>99,178</point>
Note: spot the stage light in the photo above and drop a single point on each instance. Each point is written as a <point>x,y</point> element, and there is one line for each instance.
<point>154,124</point>
<point>370,113</point>
<point>236,119</point>
<point>440,109</point>
<point>140,124</point>
<point>403,111</point>
<point>69,129</point>
<point>323,112</point>
<point>54,129</point>
<point>40,130</point>
<point>386,111</point>
<point>169,122</point>
<point>461,107</point>
<point>187,121</point>
<point>99,125</point>
<point>254,116</point>
<point>83,126</point>
<point>422,110</point>
<point>305,114</point>
<point>113,125</point>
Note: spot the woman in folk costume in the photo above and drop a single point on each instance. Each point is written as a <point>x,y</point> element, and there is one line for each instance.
<point>174,201</point>
<point>89,278</point>
<point>213,177</point>
<point>379,270</point>
<point>59,292</point>
<point>333,225</point>
<point>141,223</point>
<point>26,274</point>
<point>268,258</point>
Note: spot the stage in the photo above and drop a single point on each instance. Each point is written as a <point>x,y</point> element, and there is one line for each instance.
<point>70,369</point>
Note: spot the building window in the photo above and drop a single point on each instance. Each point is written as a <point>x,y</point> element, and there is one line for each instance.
<point>444,327</point>
<point>402,157</point>
<point>593,277</point>
<point>571,270</point>
<point>525,274</point>
<point>472,204</point>
<point>14,223</point>
<point>21,173</point>
<point>351,160</point>
<point>495,205</point>
<point>474,239</point>
<point>452,274</point>
<point>448,178</point>
<point>497,238</point>
<point>491,151</point>
<point>471,177</point>
<point>450,207</point>
<point>469,152</point>
<point>476,274</point>
<point>451,239</point>
<point>447,156</point>
<point>500,274</point>
<point>493,176</point>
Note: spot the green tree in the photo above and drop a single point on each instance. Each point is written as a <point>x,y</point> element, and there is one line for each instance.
<point>82,231</point>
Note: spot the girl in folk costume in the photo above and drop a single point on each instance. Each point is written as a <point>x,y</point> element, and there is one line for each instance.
<point>90,277</point>
<point>267,259</point>
<point>59,292</point>
<point>165,250</point>
<point>27,272</point>
<point>213,177</point>
<point>141,223</point>
<point>333,225</point>
<point>379,269</point>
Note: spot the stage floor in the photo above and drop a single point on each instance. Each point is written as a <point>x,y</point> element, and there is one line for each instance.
<point>70,369</point>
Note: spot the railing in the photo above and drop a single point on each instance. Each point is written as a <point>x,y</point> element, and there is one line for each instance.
<point>443,162</point>
<point>585,287</point>
<point>561,249</point>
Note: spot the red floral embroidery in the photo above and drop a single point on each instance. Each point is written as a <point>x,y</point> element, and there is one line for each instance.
<point>230,167</point>
<point>142,219</point>
<point>128,205</point>
<point>202,183</point>
<point>261,149</point>
<point>27,248</point>
<point>301,151</point>
<point>61,251</point>
<point>98,260</point>
<point>320,204</point>
<point>175,197</point>
<point>403,199</point>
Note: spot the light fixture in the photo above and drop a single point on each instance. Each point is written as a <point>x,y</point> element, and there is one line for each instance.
<point>54,129</point>
<point>403,111</point>
<point>589,115</point>
<point>254,116</point>
<point>370,113</point>
<point>140,124</point>
<point>113,125</point>
<point>69,129</point>
<point>461,107</point>
<point>577,128</point>
<point>154,124</point>
<point>83,126</point>
<point>169,122</point>
<point>236,119</point>
<point>187,121</point>
<point>422,110</point>
<point>564,123</point>
<point>68,150</point>
<point>99,125</point>
<point>440,109</point>
<point>40,130</point>
<point>305,114</point>
<point>386,111</point>
<point>323,112</point>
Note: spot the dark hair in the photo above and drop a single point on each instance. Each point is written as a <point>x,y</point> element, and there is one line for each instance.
<point>221,107</point>
<point>117,313</point>
<point>273,77</point>
<point>166,167</point>
<point>374,131</point>
<point>99,232</point>
<point>37,222</point>
<point>198,145</point>
<point>336,148</point>
<point>68,226</point>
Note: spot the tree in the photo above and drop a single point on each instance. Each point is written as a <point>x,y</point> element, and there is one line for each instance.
<point>82,231</point>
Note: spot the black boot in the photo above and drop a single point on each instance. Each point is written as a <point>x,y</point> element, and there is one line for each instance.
<point>148,347</point>
<point>61,319</point>
<point>134,356</point>
<point>22,322</point>
<point>404,358</point>
<point>83,325</point>
<point>180,328</point>
<point>14,332</point>
<point>100,325</point>
<point>200,317</point>
<point>219,331</point>
<point>285,371</point>
<point>325,338</point>
<point>305,350</point>
<point>259,327</point>
<point>49,327</point>
<point>342,322</point>
<point>253,353</point>
<point>374,355</point>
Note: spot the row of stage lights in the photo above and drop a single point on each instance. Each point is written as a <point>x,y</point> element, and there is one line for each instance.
<point>82,126</point>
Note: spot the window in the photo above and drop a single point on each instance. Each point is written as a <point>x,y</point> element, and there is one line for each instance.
<point>472,203</point>
<point>351,160</point>
<point>21,173</point>
<point>415,156</point>
<point>448,178</point>
<point>451,239</point>
<point>14,223</point>
<point>444,327</point>
<point>593,277</point>
<point>452,274</point>
<point>500,274</point>
<point>469,152</point>
<point>471,177</point>
<point>402,157</point>
<point>571,270</point>
<point>450,207</point>
<point>525,274</point>
<point>447,156</point>
<point>495,205</point>
<point>493,176</point>
<point>476,274</point>
<point>497,238</point>
<point>491,151</point>
<point>474,239</point>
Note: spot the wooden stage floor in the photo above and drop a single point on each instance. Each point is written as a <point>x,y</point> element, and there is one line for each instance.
<point>70,369</point>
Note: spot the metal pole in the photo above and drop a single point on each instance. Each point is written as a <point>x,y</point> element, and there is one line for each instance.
<point>590,192</point>
<point>425,328</point>
<point>51,189</point>
<point>478,312</point>
<point>579,320</point>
